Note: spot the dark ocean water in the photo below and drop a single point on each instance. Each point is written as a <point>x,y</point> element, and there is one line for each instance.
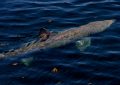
<point>20,22</point>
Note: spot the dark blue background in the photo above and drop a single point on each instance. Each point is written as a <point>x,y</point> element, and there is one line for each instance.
<point>20,22</point>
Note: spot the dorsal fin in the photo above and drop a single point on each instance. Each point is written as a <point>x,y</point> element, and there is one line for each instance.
<point>44,34</point>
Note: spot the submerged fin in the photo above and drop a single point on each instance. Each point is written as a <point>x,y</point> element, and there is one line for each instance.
<point>27,61</point>
<point>83,43</point>
<point>44,34</point>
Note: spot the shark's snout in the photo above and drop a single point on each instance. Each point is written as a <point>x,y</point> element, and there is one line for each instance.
<point>109,22</point>
<point>99,26</point>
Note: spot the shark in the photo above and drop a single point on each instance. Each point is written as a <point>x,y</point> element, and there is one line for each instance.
<point>49,39</point>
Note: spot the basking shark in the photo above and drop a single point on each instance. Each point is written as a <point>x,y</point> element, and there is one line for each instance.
<point>51,40</point>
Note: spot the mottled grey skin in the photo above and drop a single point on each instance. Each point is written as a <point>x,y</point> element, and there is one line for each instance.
<point>62,38</point>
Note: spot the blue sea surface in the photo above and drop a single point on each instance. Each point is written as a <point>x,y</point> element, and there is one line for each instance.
<point>20,22</point>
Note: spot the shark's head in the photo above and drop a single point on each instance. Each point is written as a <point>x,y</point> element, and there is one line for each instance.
<point>109,22</point>
<point>99,26</point>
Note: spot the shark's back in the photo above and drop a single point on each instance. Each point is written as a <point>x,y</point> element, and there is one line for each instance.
<point>84,30</point>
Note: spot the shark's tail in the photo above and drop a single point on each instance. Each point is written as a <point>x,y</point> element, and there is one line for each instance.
<point>96,27</point>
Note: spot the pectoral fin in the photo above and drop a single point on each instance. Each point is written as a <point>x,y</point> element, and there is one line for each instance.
<point>27,61</point>
<point>83,43</point>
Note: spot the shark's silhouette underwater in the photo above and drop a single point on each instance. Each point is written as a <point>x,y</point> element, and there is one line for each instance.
<point>50,40</point>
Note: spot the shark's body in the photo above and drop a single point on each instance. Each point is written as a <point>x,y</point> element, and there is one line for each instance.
<point>62,38</point>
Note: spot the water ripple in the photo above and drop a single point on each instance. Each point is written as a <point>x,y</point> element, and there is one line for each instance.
<point>20,22</point>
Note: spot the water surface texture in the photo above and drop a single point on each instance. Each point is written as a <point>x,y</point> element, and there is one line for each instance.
<point>20,22</point>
